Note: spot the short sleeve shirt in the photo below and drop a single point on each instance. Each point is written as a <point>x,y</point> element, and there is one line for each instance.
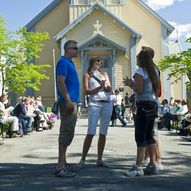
<point>65,67</point>
<point>148,93</point>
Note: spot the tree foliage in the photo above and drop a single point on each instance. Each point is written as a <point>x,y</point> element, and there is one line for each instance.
<point>17,57</point>
<point>178,64</point>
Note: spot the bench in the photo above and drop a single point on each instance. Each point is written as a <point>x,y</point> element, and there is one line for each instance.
<point>2,129</point>
<point>3,126</point>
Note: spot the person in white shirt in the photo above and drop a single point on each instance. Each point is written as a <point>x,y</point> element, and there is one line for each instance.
<point>6,117</point>
<point>117,107</point>
<point>183,109</point>
<point>97,85</point>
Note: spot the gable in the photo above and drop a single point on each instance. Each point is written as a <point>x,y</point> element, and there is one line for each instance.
<point>98,41</point>
<point>52,5</point>
<point>110,29</point>
<point>90,11</point>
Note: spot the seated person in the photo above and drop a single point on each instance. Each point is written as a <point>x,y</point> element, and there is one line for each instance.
<point>165,108</point>
<point>42,120</point>
<point>183,109</point>
<point>6,116</point>
<point>20,112</point>
<point>38,102</point>
<point>175,106</point>
<point>186,125</point>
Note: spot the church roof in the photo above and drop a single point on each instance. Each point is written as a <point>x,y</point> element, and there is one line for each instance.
<point>163,22</point>
<point>89,11</point>
<point>42,14</point>
<point>52,5</point>
<point>102,38</point>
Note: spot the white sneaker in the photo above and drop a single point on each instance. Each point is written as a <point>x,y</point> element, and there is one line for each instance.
<point>159,166</point>
<point>135,171</point>
<point>64,173</point>
<point>145,162</point>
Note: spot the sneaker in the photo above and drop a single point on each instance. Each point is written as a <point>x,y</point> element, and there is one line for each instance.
<point>145,162</point>
<point>74,168</point>
<point>1,141</point>
<point>135,171</point>
<point>159,166</point>
<point>21,132</point>
<point>124,125</point>
<point>40,129</point>
<point>29,130</point>
<point>14,135</point>
<point>150,170</point>
<point>64,173</point>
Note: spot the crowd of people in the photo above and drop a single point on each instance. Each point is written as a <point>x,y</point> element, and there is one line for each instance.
<point>175,111</point>
<point>104,105</point>
<point>27,115</point>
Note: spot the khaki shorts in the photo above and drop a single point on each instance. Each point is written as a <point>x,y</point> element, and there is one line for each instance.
<point>67,125</point>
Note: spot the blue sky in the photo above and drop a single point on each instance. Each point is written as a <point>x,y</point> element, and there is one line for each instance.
<point>17,13</point>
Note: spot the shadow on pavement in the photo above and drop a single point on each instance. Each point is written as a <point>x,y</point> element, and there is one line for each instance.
<point>31,177</point>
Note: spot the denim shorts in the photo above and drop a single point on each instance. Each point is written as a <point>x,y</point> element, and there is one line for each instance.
<point>99,111</point>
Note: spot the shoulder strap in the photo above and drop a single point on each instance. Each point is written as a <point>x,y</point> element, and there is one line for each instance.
<point>91,74</point>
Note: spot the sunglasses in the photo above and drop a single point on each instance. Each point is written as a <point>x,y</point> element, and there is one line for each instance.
<point>74,48</point>
<point>98,61</point>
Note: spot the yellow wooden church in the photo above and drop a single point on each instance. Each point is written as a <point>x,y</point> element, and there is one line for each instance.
<point>112,29</point>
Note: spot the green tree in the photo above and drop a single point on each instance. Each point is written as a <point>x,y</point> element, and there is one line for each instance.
<point>17,55</point>
<point>178,65</point>
<point>6,45</point>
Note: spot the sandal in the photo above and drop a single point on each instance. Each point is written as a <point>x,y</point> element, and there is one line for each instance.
<point>79,166</point>
<point>100,163</point>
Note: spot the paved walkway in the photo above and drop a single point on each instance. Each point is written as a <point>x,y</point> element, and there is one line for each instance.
<point>28,163</point>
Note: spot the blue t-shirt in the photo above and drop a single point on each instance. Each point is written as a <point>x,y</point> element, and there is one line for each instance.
<point>65,67</point>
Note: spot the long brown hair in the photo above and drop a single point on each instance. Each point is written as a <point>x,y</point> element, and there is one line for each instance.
<point>145,61</point>
<point>91,62</point>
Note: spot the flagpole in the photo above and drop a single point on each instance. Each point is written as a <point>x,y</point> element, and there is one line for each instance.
<point>54,65</point>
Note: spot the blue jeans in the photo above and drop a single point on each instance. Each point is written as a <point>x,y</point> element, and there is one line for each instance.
<point>28,120</point>
<point>22,122</point>
<point>118,111</point>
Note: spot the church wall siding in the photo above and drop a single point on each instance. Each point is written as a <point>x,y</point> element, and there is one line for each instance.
<point>77,10</point>
<point>51,23</point>
<point>147,25</point>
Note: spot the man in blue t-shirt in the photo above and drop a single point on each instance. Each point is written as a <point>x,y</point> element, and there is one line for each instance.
<point>68,91</point>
